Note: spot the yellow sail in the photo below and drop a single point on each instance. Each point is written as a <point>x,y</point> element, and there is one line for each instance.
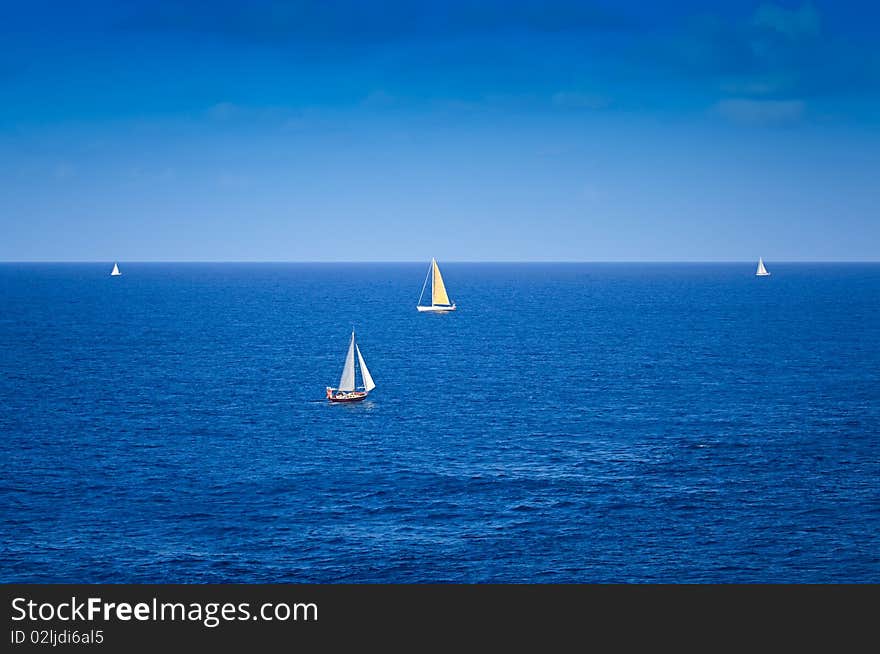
<point>438,290</point>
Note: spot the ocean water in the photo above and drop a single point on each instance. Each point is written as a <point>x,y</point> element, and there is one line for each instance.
<point>570,423</point>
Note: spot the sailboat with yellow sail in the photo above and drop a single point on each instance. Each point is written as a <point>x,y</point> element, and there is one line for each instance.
<point>439,299</point>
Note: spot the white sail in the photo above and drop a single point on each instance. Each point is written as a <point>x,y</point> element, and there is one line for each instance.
<point>762,271</point>
<point>368,379</point>
<point>115,270</point>
<point>346,382</point>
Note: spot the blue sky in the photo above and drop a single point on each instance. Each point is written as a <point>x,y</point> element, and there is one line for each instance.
<point>322,131</point>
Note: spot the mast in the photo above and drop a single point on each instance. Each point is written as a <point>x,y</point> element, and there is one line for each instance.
<point>354,365</point>
<point>433,277</point>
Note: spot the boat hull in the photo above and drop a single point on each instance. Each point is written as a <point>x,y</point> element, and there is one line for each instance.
<point>764,274</point>
<point>435,308</point>
<point>341,396</point>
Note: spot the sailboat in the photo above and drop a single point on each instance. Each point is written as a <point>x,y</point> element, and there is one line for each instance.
<point>115,272</point>
<point>347,391</point>
<point>439,299</point>
<point>762,271</point>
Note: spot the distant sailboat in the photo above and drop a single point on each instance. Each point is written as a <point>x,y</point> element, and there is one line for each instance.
<point>439,299</point>
<point>115,272</point>
<point>762,271</point>
<point>347,391</point>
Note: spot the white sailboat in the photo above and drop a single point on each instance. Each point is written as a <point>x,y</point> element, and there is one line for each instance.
<point>115,272</point>
<point>347,391</point>
<point>439,299</point>
<point>762,271</point>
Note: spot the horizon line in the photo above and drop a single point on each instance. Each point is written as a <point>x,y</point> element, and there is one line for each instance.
<point>419,261</point>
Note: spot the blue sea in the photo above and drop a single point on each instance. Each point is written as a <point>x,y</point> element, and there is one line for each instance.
<point>569,423</point>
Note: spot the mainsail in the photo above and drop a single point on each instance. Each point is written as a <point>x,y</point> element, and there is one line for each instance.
<point>115,270</point>
<point>368,379</point>
<point>438,289</point>
<point>346,382</point>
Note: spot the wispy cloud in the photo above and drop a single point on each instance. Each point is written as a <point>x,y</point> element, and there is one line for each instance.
<point>747,111</point>
<point>224,111</point>
<point>578,100</point>
<point>765,67</point>
<point>792,23</point>
<point>352,22</point>
<point>142,174</point>
<point>534,54</point>
<point>234,180</point>
<point>759,85</point>
<point>378,99</point>
<point>64,170</point>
